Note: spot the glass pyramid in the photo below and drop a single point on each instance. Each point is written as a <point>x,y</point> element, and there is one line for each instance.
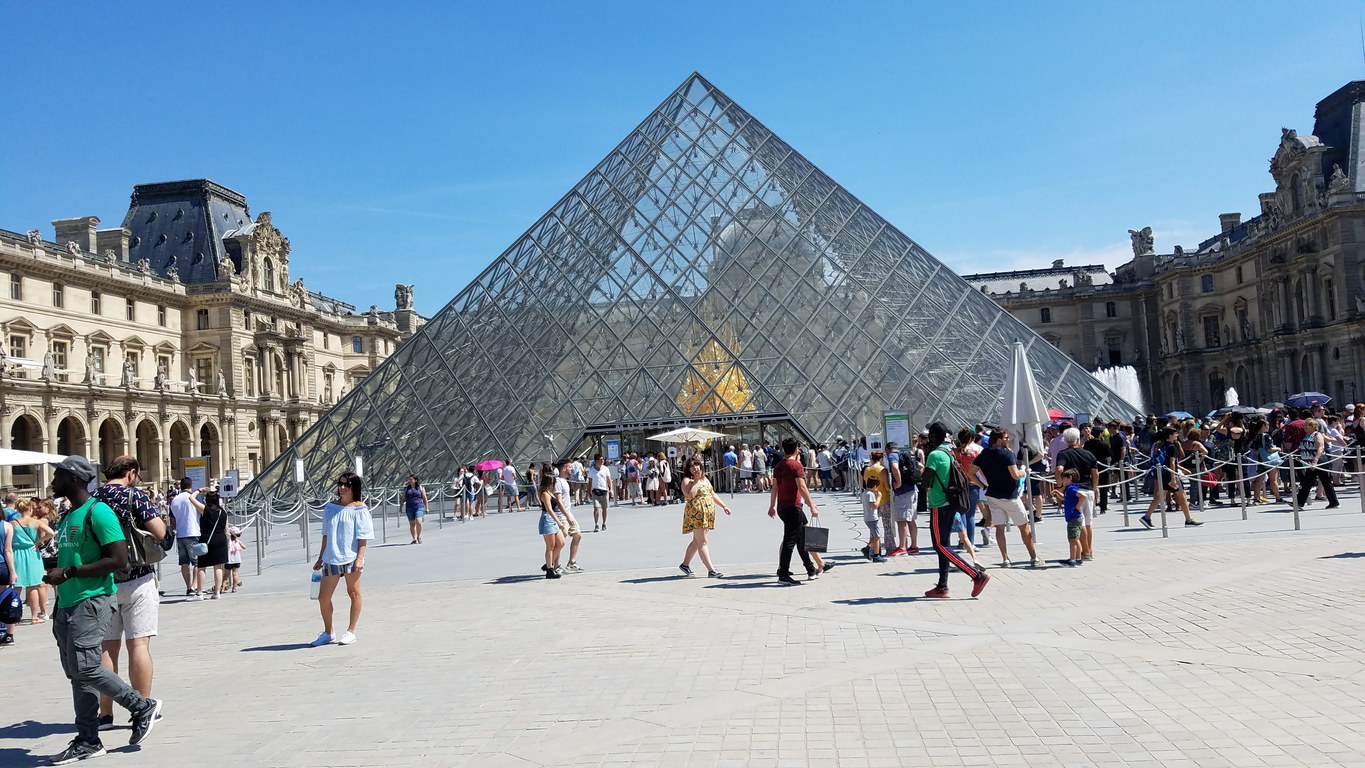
<point>703,273</point>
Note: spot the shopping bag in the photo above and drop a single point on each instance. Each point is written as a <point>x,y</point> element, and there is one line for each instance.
<point>817,539</point>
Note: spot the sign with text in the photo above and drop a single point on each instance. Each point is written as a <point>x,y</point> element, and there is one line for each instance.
<point>197,470</point>
<point>897,428</point>
<point>613,450</point>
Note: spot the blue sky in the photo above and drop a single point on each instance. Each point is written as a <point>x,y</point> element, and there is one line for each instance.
<point>413,142</point>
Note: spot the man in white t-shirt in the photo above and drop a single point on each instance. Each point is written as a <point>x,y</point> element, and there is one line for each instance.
<point>824,461</point>
<point>186,509</point>
<point>508,488</point>
<point>571,528</point>
<point>600,485</point>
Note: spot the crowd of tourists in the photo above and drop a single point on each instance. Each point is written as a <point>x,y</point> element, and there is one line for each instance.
<point>96,546</point>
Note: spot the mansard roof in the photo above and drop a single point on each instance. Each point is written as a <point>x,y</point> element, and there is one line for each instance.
<point>181,224</point>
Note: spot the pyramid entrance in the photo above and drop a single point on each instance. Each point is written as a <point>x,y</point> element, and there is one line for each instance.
<point>704,272</point>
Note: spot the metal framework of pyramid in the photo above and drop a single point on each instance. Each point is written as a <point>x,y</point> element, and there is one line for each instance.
<point>704,270</point>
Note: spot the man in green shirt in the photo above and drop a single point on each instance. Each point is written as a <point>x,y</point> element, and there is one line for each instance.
<point>938,461</point>
<point>90,547</point>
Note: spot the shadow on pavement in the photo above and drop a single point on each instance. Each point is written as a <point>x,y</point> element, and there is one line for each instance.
<point>651,579</point>
<point>1342,555</point>
<point>21,757</point>
<point>31,729</point>
<point>878,600</point>
<point>769,582</point>
<point>285,647</point>
<point>516,579</point>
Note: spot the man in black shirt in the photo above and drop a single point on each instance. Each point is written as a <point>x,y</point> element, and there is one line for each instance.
<point>1003,473</point>
<point>1085,464</point>
<point>1098,448</point>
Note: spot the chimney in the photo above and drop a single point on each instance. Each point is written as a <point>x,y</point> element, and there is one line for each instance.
<point>1229,221</point>
<point>80,230</point>
<point>115,240</point>
<point>1057,264</point>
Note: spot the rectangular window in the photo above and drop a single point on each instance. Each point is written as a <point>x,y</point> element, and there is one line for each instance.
<point>18,347</point>
<point>16,287</point>
<point>201,319</point>
<point>161,315</point>
<point>1206,283</point>
<point>131,310</point>
<point>58,295</point>
<point>249,377</point>
<point>59,353</point>
<point>96,303</point>
<point>326,340</point>
<point>163,363</point>
<point>1170,290</point>
<point>358,343</point>
<point>203,370</point>
<point>1111,309</point>
<point>131,357</point>
<point>1239,275</point>
<point>1211,331</point>
<point>98,354</point>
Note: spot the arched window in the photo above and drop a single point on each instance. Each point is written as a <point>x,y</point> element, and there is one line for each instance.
<point>268,275</point>
<point>1045,315</point>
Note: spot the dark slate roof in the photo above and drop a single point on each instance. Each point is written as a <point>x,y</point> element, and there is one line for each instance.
<point>1337,123</point>
<point>182,224</point>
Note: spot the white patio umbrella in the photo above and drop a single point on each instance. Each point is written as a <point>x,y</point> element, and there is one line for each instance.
<point>1023,412</point>
<point>10,457</point>
<point>685,435</point>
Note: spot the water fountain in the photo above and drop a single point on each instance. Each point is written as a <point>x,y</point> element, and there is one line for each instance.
<point>1123,379</point>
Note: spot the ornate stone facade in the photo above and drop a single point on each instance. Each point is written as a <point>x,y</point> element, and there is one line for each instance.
<point>116,341</point>
<point>1269,306</point>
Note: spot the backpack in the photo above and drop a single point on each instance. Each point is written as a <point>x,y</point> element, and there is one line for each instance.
<point>956,491</point>
<point>11,606</point>
<point>910,469</point>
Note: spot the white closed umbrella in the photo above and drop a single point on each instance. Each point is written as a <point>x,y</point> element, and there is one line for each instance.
<point>10,457</point>
<point>1023,412</point>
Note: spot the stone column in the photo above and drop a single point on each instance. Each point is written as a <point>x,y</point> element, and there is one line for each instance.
<point>1311,292</point>
<point>1282,294</point>
<point>1318,352</point>
<point>263,365</point>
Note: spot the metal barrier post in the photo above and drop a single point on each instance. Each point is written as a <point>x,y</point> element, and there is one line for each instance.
<point>260,541</point>
<point>1161,492</point>
<point>1294,486</point>
<point>1123,494</point>
<point>1360,481</point>
<point>1241,484</point>
<point>1199,481</point>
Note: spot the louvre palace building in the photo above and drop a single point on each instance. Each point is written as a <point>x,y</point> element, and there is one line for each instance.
<point>1270,304</point>
<point>180,333</point>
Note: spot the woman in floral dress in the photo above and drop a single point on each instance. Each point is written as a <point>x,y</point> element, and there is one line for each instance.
<point>699,516</point>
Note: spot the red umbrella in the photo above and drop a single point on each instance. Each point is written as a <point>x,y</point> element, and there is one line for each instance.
<point>488,464</point>
<point>1056,413</point>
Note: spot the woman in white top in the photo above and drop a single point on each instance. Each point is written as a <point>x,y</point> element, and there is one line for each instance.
<point>346,529</point>
<point>746,468</point>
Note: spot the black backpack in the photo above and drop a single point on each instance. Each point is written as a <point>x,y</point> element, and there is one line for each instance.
<point>910,468</point>
<point>957,490</point>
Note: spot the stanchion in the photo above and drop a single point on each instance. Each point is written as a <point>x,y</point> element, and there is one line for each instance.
<point>384,517</point>
<point>1360,480</point>
<point>1199,481</point>
<point>260,541</point>
<point>1241,484</point>
<point>1294,487</point>
<point>1160,492</point>
<point>1123,494</point>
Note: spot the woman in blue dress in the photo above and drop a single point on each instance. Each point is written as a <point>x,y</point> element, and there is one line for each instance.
<point>415,504</point>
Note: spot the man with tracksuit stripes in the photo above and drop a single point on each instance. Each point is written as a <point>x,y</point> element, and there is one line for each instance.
<point>937,465</point>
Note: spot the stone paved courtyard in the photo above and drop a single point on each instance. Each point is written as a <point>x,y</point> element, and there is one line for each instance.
<point>1236,644</point>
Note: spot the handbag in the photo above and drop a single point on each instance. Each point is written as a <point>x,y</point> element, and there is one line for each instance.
<point>201,548</point>
<point>817,538</point>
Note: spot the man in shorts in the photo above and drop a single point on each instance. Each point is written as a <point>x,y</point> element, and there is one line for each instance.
<point>1002,471</point>
<point>600,486</point>
<point>571,529</point>
<point>904,499</point>
<point>186,509</point>
<point>135,622</point>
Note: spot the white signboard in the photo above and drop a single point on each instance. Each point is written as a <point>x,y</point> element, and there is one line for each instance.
<point>298,470</point>
<point>897,428</point>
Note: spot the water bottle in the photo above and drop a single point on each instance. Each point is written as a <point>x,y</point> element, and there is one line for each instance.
<point>315,584</point>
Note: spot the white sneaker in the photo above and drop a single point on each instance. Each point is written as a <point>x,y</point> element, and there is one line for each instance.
<point>323,639</point>
<point>346,638</point>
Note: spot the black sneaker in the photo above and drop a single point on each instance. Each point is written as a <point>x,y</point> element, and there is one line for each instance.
<point>106,722</point>
<point>1146,521</point>
<point>77,750</point>
<point>787,579</point>
<point>6,639</point>
<point>1192,522</point>
<point>144,721</point>
<point>685,568</point>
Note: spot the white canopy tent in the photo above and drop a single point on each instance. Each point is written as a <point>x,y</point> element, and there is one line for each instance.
<point>10,457</point>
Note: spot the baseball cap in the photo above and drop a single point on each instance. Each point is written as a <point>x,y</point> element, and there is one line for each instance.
<point>78,466</point>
